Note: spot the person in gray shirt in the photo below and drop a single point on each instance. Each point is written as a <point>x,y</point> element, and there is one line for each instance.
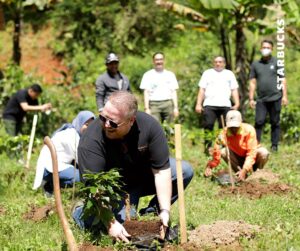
<point>110,81</point>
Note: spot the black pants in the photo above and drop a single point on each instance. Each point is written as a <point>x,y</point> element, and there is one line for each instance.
<point>261,111</point>
<point>210,115</point>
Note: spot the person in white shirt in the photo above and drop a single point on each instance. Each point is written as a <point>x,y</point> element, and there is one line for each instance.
<point>160,94</point>
<point>65,140</point>
<point>216,86</point>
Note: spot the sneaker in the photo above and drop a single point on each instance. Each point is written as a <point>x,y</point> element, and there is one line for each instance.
<point>274,148</point>
<point>148,210</point>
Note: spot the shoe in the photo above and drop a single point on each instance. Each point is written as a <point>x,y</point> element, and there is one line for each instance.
<point>148,210</point>
<point>274,148</point>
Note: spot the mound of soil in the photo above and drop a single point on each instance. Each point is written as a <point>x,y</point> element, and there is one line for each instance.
<point>264,176</point>
<point>222,234</point>
<point>141,228</point>
<point>39,214</point>
<point>255,190</point>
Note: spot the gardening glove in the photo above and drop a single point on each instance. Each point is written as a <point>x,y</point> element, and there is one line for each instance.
<point>164,217</point>
<point>118,232</point>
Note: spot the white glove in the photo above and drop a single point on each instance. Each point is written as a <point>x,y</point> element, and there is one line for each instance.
<point>118,232</point>
<point>164,217</point>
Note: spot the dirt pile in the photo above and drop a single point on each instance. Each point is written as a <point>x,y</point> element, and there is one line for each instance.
<point>255,190</point>
<point>264,176</point>
<point>222,233</point>
<point>39,214</point>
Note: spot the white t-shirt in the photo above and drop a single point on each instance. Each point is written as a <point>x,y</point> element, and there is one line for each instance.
<point>66,143</point>
<point>218,87</point>
<point>160,84</point>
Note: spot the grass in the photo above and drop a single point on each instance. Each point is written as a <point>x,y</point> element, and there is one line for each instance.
<point>277,215</point>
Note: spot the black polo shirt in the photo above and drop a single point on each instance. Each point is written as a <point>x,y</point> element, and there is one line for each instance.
<point>13,109</point>
<point>265,73</point>
<point>143,148</point>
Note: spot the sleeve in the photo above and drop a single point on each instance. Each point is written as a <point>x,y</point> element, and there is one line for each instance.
<point>203,80</point>
<point>90,156</point>
<point>252,71</point>
<point>100,92</point>
<point>233,82</point>
<point>145,82</point>
<point>216,158</point>
<point>21,96</point>
<point>174,81</point>
<point>251,150</point>
<point>158,147</point>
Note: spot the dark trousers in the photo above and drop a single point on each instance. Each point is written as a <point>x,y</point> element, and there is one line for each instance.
<point>272,108</point>
<point>210,115</point>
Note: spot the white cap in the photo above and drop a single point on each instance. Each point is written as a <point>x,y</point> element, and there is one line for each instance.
<point>233,118</point>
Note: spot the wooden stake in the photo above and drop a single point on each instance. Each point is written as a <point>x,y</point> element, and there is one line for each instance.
<point>180,183</point>
<point>63,219</point>
<point>228,155</point>
<point>34,122</point>
<point>127,207</point>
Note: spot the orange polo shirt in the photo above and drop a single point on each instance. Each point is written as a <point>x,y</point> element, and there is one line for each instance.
<point>244,144</point>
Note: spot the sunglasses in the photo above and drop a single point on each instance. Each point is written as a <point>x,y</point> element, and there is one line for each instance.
<point>111,123</point>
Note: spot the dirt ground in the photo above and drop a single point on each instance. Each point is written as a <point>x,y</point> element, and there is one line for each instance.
<point>39,213</point>
<point>2,210</point>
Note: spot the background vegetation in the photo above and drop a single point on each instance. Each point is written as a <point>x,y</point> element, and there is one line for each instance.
<point>190,33</point>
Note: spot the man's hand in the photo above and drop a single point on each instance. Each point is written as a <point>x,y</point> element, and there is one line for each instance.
<point>199,108</point>
<point>117,231</point>
<point>176,112</point>
<point>284,101</point>
<point>235,107</point>
<point>252,104</point>
<point>46,107</point>
<point>208,171</point>
<point>164,217</point>
<point>242,174</point>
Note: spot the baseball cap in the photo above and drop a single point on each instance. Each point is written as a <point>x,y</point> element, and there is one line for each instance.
<point>233,118</point>
<point>111,57</point>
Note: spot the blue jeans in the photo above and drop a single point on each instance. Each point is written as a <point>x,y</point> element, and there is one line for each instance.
<point>66,178</point>
<point>137,192</point>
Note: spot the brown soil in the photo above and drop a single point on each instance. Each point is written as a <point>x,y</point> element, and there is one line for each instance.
<point>39,214</point>
<point>223,234</point>
<point>141,228</point>
<point>255,190</point>
<point>264,175</point>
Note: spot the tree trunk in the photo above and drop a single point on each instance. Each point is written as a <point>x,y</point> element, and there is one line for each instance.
<point>241,67</point>
<point>225,47</point>
<point>16,38</point>
<point>2,19</point>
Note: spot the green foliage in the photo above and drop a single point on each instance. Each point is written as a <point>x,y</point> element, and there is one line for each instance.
<point>289,123</point>
<point>121,26</point>
<point>14,146</point>
<point>102,193</point>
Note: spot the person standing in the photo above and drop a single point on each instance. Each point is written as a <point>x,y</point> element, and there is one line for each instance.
<point>216,86</point>
<point>65,140</point>
<point>246,155</point>
<point>134,143</point>
<point>18,105</point>
<point>160,95</point>
<point>110,81</point>
<point>271,92</point>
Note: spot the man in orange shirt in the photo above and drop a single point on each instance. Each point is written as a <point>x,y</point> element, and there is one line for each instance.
<point>246,155</point>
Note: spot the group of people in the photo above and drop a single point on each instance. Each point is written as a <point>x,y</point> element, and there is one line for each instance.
<point>134,142</point>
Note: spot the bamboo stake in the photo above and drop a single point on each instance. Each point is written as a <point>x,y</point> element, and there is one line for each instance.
<point>34,122</point>
<point>180,184</point>
<point>228,155</point>
<point>63,219</point>
<point>127,207</point>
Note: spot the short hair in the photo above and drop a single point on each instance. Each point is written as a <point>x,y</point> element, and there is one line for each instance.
<point>220,57</point>
<point>158,52</point>
<point>36,88</point>
<point>125,102</point>
<point>266,41</point>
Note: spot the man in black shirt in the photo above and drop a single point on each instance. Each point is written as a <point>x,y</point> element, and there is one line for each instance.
<point>135,143</point>
<point>267,76</point>
<point>21,102</point>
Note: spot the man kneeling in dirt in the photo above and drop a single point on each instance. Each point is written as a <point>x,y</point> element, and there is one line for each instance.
<point>135,144</point>
<point>246,155</point>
